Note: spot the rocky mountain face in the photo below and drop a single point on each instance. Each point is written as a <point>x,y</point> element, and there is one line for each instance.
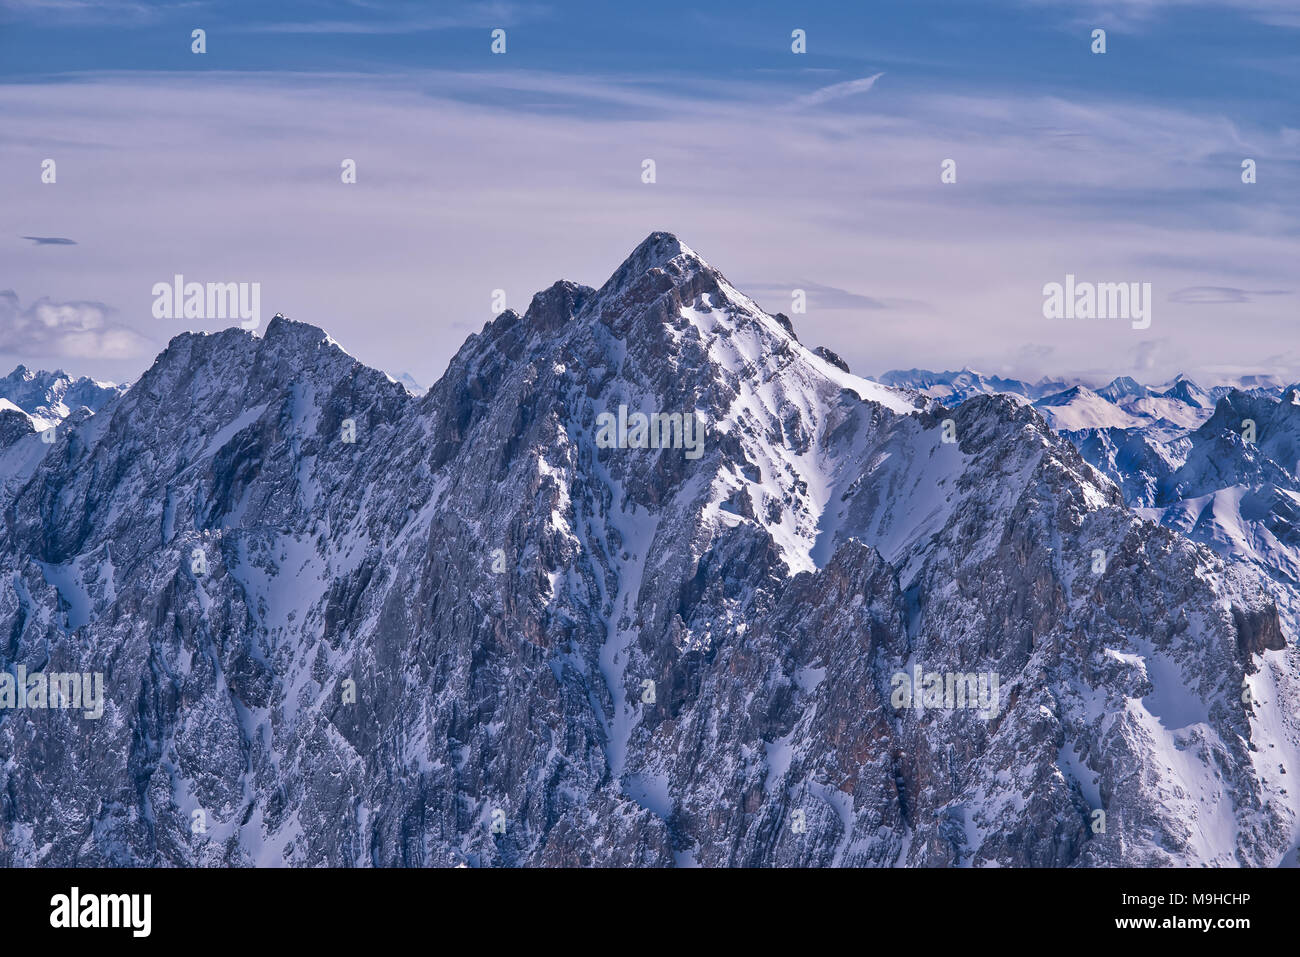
<point>1219,465</point>
<point>342,624</point>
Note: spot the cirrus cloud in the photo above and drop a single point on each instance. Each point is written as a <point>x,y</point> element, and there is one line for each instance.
<point>1220,295</point>
<point>837,91</point>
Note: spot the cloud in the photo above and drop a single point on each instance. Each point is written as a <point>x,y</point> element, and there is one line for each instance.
<point>409,18</point>
<point>851,197</point>
<point>50,240</point>
<point>837,91</point>
<point>1206,265</point>
<point>83,12</point>
<point>823,297</point>
<point>73,330</point>
<point>1144,357</point>
<point>826,297</point>
<point>1221,295</point>
<point>1137,14</point>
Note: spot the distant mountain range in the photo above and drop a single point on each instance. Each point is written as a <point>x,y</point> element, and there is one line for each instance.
<point>47,398</point>
<point>1071,406</point>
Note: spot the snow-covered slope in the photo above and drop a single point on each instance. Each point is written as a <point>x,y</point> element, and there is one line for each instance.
<point>1081,408</point>
<point>343,624</point>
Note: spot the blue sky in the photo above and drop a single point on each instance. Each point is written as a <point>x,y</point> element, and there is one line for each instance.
<point>478,172</point>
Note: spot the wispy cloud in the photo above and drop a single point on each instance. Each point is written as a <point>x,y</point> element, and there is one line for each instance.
<point>1221,295</point>
<point>837,91</point>
<point>849,200</point>
<point>408,18</point>
<point>73,330</point>
<point>50,240</point>
<point>825,297</point>
<point>1137,14</point>
<point>91,12</point>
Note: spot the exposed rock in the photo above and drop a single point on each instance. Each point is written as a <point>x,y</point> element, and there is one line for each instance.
<point>476,635</point>
<point>831,357</point>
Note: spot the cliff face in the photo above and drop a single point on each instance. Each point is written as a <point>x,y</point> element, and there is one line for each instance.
<point>476,634</point>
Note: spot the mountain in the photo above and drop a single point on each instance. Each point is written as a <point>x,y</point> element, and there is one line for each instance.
<point>955,387</point>
<point>1075,406</point>
<point>1123,388</point>
<point>340,624</point>
<point>1080,408</point>
<point>413,387</point>
<point>1188,392</point>
<point>1180,457</point>
<point>49,397</point>
<point>1234,483</point>
<point>1126,404</point>
<point>35,401</point>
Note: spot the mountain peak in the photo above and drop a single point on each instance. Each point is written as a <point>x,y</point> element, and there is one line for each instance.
<point>299,335</point>
<point>1122,387</point>
<point>658,251</point>
<point>659,248</point>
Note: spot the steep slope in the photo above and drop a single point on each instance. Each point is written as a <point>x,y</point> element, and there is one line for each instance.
<point>1236,486</point>
<point>481,632</point>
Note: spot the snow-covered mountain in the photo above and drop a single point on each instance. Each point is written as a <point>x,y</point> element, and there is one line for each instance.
<point>34,402</point>
<point>342,624</point>
<point>413,387</point>
<point>50,397</point>
<point>1221,466</point>
<point>1124,388</point>
<point>955,387</point>
<point>1189,393</point>
<point>1123,403</point>
<point>1079,408</point>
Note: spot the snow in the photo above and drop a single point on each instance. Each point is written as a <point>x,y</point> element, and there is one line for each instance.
<point>1081,408</point>
<point>637,533</point>
<point>231,429</point>
<point>867,390</point>
<point>779,755</point>
<point>842,805</point>
<point>825,457</point>
<point>1172,703</point>
<point>67,580</point>
<point>809,678</point>
<point>651,792</point>
<point>1072,764</point>
<point>19,462</point>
